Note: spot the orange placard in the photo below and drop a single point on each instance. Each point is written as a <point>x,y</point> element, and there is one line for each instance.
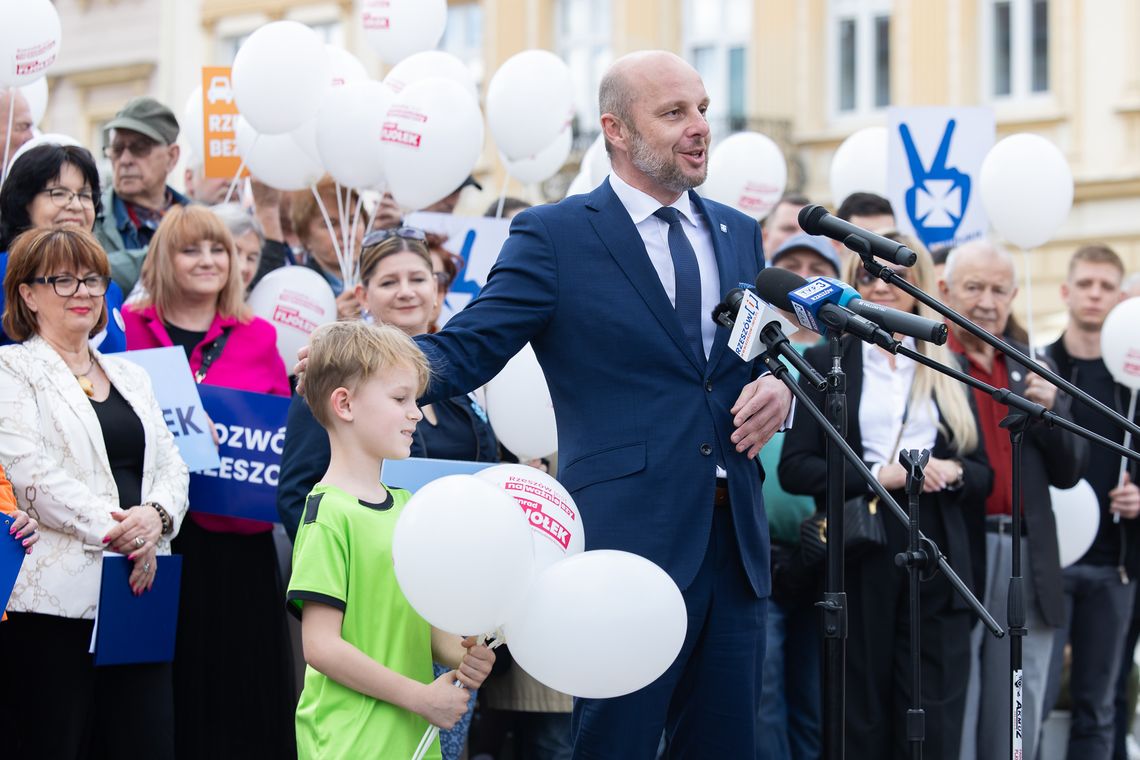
<point>219,124</point>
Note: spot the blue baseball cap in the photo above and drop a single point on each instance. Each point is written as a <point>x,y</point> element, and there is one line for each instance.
<point>816,244</point>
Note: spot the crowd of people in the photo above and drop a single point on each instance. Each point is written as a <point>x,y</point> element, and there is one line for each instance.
<point>667,442</point>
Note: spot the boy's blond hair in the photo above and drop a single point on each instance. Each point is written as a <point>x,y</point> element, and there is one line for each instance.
<point>345,354</point>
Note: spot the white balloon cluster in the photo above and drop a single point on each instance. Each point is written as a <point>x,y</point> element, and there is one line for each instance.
<point>29,44</point>
<point>588,623</point>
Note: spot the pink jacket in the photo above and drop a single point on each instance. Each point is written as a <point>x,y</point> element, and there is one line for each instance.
<point>249,362</point>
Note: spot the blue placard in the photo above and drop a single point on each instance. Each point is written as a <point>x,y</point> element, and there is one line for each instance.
<point>135,629</point>
<point>251,431</point>
<point>178,397</point>
<point>11,558</point>
<point>413,474</point>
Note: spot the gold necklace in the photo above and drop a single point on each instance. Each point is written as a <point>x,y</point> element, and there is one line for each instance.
<point>84,381</point>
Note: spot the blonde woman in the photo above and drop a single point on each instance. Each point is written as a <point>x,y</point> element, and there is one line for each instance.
<point>894,403</point>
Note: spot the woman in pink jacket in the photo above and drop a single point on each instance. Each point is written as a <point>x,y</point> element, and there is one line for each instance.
<point>233,684</point>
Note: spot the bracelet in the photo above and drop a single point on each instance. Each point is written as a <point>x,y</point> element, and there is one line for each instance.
<point>167,523</point>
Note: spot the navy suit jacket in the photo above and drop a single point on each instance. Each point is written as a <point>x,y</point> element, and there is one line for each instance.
<point>640,424</point>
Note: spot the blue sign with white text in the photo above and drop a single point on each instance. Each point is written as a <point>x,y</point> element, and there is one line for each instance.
<point>251,432</point>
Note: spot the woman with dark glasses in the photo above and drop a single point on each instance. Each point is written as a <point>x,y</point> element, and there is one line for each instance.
<point>52,186</point>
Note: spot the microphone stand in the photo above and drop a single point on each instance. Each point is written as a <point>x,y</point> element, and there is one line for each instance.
<point>915,560</point>
<point>834,604</point>
<point>1024,414</point>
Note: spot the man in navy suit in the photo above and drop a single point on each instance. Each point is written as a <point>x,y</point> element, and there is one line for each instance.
<point>659,423</point>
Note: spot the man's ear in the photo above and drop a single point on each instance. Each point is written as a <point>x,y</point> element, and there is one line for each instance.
<point>613,130</point>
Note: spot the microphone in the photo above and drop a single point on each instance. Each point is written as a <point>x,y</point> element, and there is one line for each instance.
<point>724,313</point>
<point>814,307</point>
<point>891,320</point>
<point>815,220</point>
<point>756,328</point>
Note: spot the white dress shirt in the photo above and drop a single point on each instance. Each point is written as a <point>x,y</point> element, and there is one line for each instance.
<point>881,406</point>
<point>655,234</point>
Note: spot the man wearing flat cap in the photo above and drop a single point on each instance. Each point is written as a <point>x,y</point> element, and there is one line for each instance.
<point>142,146</point>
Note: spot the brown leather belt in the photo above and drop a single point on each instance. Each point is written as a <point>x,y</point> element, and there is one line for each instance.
<point>720,494</point>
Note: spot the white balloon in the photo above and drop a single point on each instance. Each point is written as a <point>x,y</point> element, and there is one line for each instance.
<point>580,184</point>
<point>596,162</point>
<point>45,138</point>
<point>520,409</point>
<point>1027,189</point>
<point>279,75</point>
<point>463,554</point>
<point>599,624</point>
<point>544,164</point>
<point>1120,343</point>
<point>747,171</point>
<point>529,102</point>
<point>348,133</point>
<point>276,160</point>
<point>36,94</point>
<point>344,67</point>
<point>192,128</point>
<point>29,41</point>
<point>432,138</point>
<point>296,301</point>
<point>306,138</point>
<point>556,524</point>
<point>860,165</point>
<point>396,29</point>
<point>1077,513</point>
<point>431,64</point>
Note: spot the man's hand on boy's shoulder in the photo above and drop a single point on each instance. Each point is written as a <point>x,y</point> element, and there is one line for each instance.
<point>476,664</point>
<point>443,703</point>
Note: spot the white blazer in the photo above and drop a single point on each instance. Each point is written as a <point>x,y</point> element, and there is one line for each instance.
<point>51,446</point>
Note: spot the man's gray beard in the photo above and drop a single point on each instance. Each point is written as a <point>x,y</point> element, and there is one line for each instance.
<point>659,168</point>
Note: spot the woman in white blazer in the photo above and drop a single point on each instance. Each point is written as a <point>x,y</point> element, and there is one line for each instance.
<point>85,446</point>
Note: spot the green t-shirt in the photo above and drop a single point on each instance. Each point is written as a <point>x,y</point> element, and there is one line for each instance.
<point>343,558</point>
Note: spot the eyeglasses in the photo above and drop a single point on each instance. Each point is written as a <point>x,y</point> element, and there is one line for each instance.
<point>379,236</point>
<point>63,197</point>
<point>138,149</point>
<point>67,285</point>
<point>443,279</point>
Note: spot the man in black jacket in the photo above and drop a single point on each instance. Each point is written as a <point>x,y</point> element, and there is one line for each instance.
<point>979,282</point>
<point>1097,592</point>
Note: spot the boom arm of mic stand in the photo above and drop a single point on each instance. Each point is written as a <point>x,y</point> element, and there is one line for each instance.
<point>1019,403</point>
<point>775,340</point>
<point>888,275</point>
<point>778,369</point>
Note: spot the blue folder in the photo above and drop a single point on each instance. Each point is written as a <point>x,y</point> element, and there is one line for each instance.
<point>136,629</point>
<point>416,472</point>
<point>11,557</point>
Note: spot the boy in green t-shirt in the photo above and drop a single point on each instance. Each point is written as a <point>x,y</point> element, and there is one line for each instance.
<point>369,690</point>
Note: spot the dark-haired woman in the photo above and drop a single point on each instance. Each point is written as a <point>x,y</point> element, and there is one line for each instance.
<point>53,186</point>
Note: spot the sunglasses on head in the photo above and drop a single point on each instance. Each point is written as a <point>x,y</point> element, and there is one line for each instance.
<point>379,236</point>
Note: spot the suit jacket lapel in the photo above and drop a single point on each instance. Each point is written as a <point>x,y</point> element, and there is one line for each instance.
<point>618,234</point>
<point>69,391</point>
<point>726,269</point>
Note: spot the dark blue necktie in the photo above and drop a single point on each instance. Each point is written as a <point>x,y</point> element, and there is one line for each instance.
<point>687,287</point>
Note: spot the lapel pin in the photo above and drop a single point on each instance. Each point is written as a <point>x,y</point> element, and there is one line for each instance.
<point>724,228</point>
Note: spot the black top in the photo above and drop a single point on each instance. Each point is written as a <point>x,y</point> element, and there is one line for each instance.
<point>1103,469</point>
<point>453,435</point>
<point>126,444</point>
<point>187,339</point>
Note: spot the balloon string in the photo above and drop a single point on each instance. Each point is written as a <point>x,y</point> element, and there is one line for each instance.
<point>1127,445</point>
<point>425,742</point>
<point>1028,301</point>
<point>328,223</point>
<point>344,265</point>
<point>8,141</point>
<point>355,221</point>
<point>503,194</point>
<point>236,179</point>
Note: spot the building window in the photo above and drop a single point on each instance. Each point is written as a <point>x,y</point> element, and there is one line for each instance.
<point>717,34</point>
<point>1017,35</point>
<point>582,29</point>
<point>861,67</point>
<point>463,37</point>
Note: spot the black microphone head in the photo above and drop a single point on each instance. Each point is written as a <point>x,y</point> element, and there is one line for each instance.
<point>809,218</point>
<point>773,285</point>
<point>733,298</point>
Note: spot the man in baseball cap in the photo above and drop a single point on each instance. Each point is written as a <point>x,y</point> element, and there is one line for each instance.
<point>143,149</point>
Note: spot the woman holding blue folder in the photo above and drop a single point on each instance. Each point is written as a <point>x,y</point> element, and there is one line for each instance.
<point>84,443</point>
